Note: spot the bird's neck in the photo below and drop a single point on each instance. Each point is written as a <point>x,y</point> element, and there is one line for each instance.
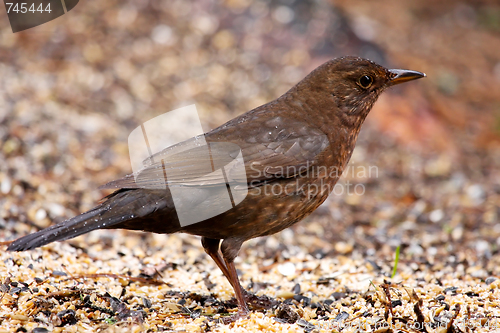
<point>340,126</point>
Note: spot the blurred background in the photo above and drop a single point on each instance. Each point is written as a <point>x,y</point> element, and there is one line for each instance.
<point>72,90</point>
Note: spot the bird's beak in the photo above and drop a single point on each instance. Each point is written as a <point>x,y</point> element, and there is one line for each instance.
<point>398,76</point>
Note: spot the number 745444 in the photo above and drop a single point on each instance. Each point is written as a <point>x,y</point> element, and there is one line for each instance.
<point>23,7</point>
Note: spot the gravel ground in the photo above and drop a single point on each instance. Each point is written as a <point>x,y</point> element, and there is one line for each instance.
<point>425,175</point>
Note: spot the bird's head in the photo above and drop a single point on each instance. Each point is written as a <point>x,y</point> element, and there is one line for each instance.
<point>354,84</point>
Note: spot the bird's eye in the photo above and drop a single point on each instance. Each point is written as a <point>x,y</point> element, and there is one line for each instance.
<point>365,81</point>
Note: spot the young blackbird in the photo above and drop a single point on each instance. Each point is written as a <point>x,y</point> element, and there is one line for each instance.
<point>294,150</point>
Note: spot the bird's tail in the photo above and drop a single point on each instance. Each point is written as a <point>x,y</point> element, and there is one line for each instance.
<point>121,206</point>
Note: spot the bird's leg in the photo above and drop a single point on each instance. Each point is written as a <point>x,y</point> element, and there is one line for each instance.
<point>211,247</point>
<point>229,249</point>
<point>226,265</point>
<point>243,310</point>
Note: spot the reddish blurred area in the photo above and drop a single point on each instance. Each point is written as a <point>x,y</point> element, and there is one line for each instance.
<point>457,44</point>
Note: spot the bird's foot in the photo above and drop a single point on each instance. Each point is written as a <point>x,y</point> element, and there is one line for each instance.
<point>259,302</point>
<point>241,314</point>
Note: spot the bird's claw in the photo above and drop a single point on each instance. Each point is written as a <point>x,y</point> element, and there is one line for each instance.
<point>237,316</point>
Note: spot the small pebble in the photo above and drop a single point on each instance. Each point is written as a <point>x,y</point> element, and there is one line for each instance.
<point>40,330</point>
<point>287,269</point>
<point>342,316</point>
<point>490,280</point>
<point>40,214</point>
<point>5,185</point>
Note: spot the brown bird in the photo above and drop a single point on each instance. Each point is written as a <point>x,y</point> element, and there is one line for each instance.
<point>294,150</point>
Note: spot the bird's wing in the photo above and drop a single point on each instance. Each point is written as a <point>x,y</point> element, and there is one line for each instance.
<point>249,154</point>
